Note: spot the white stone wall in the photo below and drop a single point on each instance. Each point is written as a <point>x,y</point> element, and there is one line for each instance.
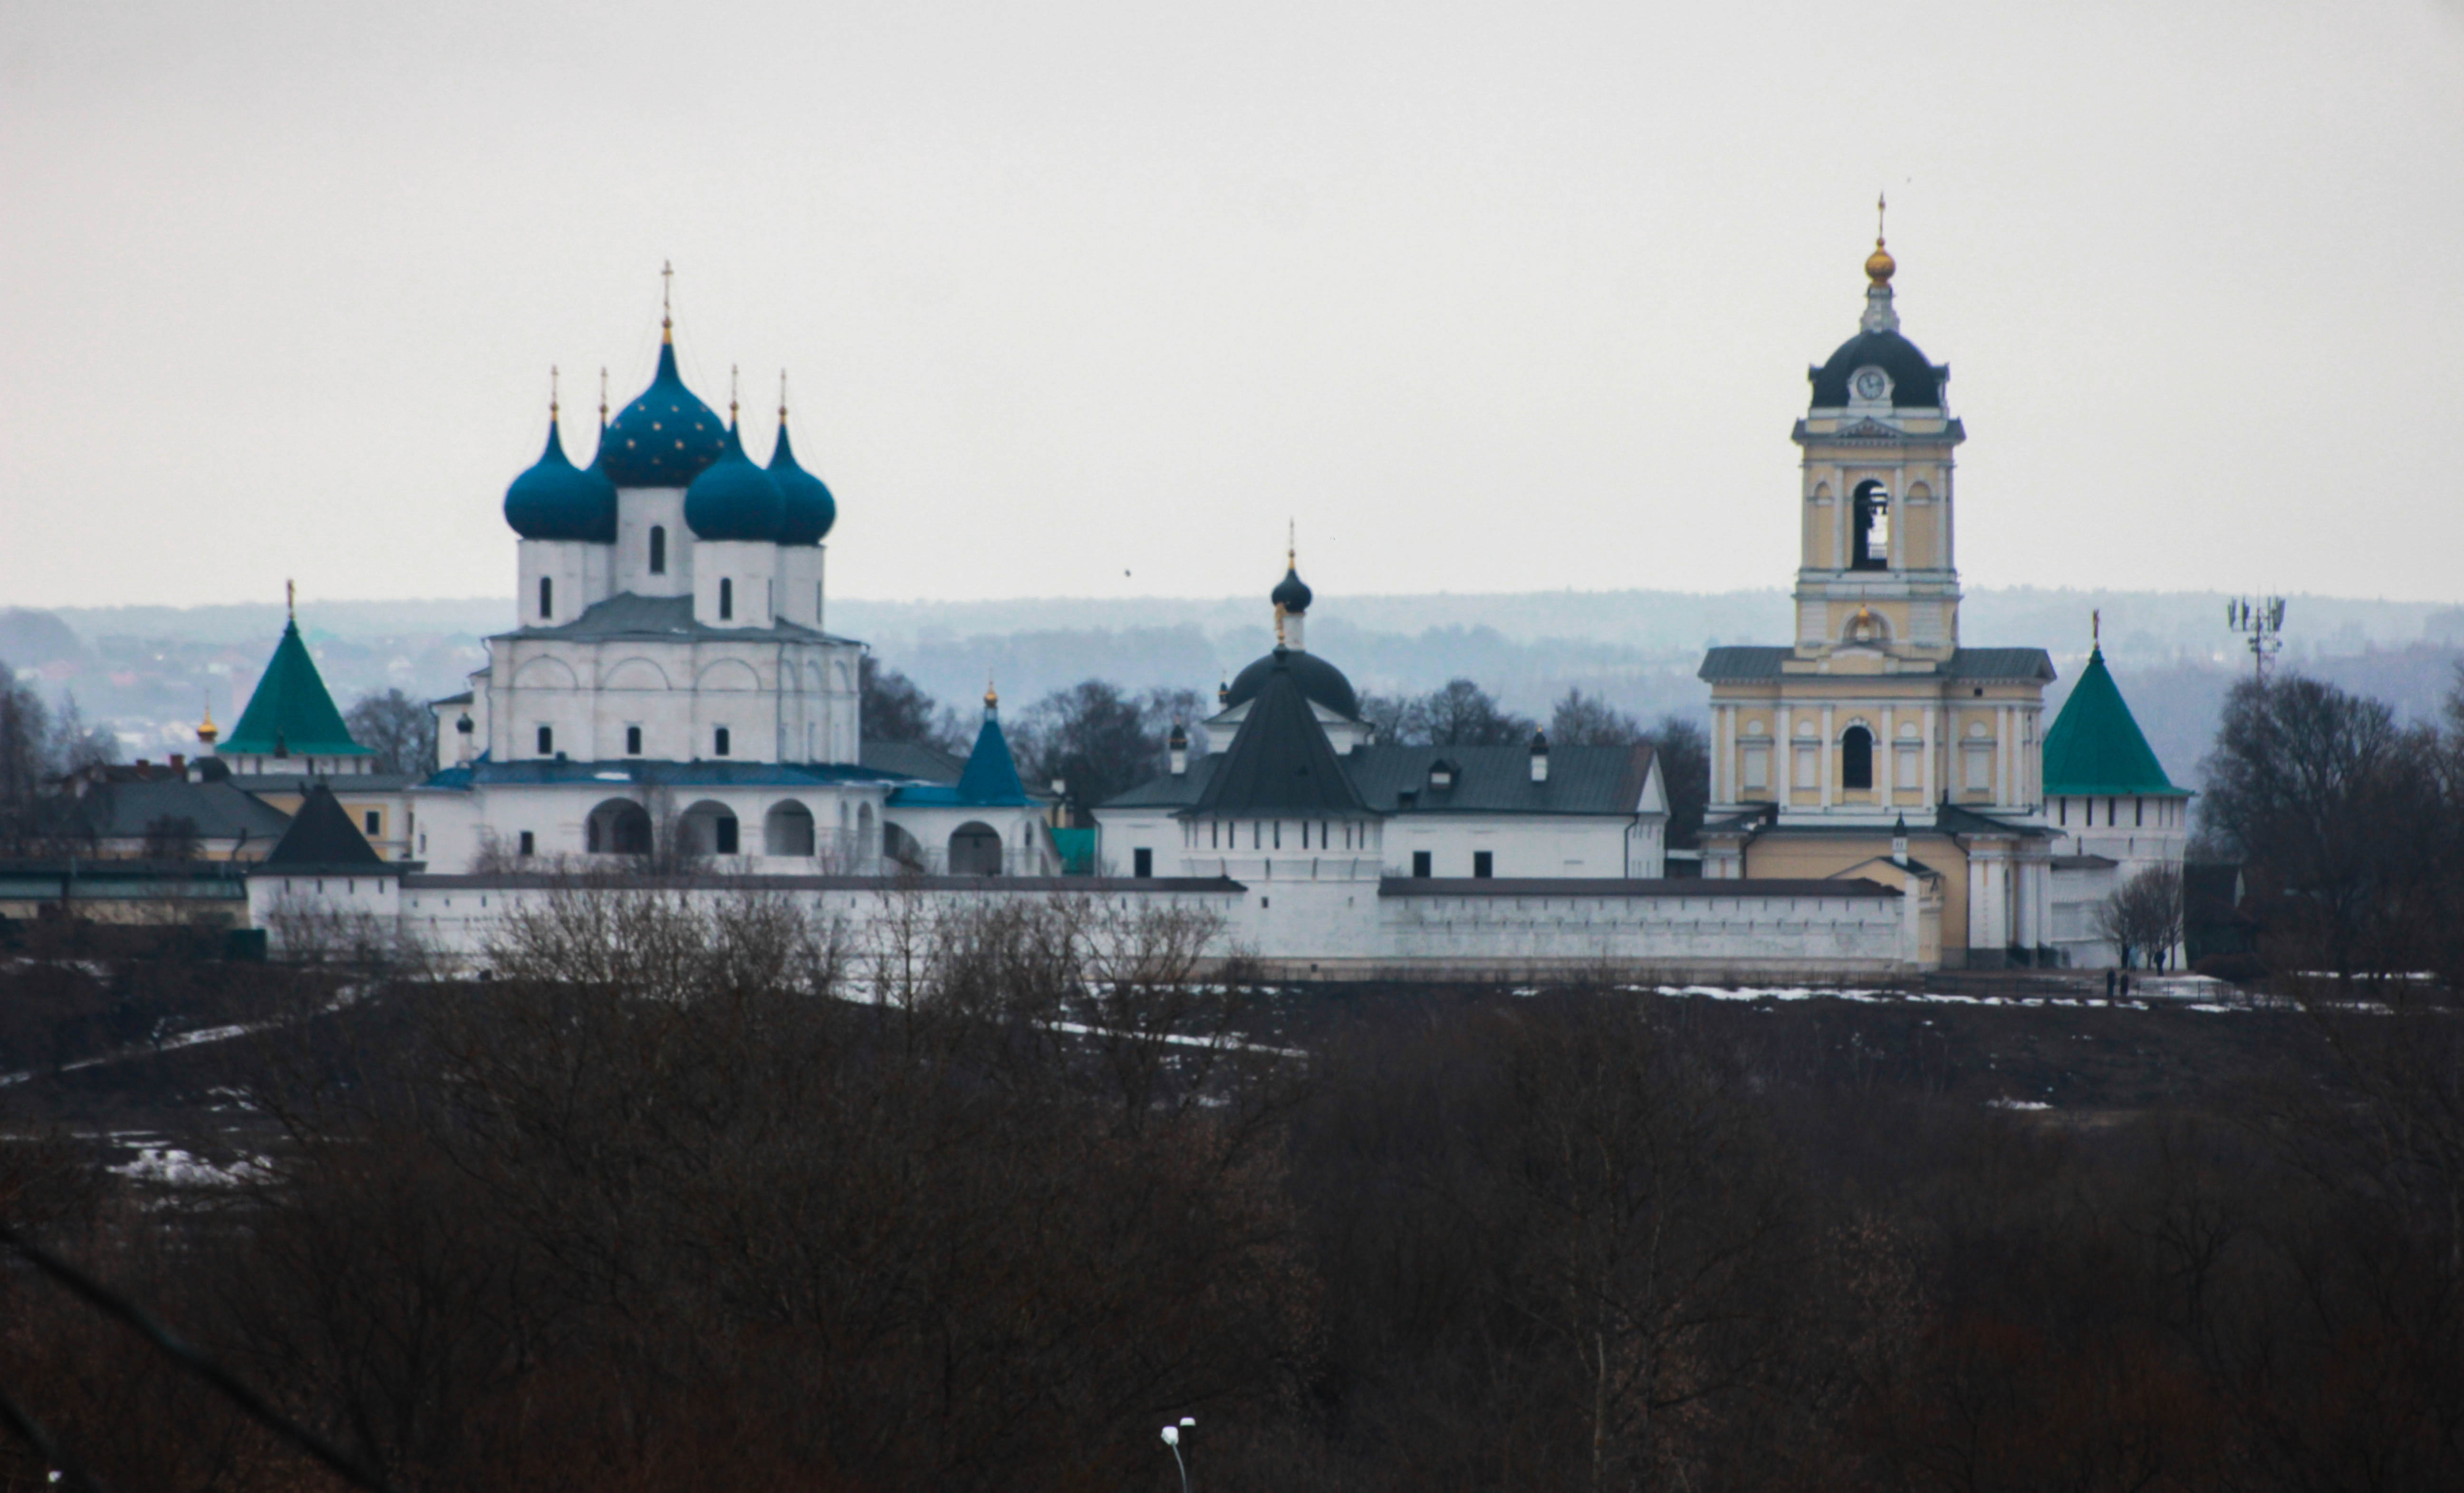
<point>779,701</point>
<point>638,511</point>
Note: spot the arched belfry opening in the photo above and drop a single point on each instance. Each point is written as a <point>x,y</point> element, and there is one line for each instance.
<point>1856,758</point>
<point>1869,518</point>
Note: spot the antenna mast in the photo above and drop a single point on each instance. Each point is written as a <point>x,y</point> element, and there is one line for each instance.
<point>2261,621</point>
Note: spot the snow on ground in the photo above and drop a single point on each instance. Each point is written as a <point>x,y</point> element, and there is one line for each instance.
<point>169,1166</point>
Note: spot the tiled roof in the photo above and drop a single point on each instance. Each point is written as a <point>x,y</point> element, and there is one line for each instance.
<point>2096,745</point>
<point>1280,761</point>
<point>322,835</point>
<point>291,712</point>
<point>1744,663</point>
<point>661,617</point>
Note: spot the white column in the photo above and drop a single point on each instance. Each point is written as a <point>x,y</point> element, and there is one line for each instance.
<point>1822,754</point>
<point>1784,747</point>
<point>1928,757</point>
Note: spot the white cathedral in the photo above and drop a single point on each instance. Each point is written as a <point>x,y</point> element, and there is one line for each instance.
<point>670,699</point>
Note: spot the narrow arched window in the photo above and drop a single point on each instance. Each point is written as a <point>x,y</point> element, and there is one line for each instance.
<point>658,549</point>
<point>1856,758</point>
<point>718,742</point>
<point>546,740</point>
<point>1869,519</point>
<point>726,599</point>
<point>547,597</point>
<point>632,741</point>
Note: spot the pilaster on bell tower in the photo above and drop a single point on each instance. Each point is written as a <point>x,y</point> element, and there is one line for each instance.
<point>1877,579</point>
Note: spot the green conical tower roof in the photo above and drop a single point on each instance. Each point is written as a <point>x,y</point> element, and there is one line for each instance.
<point>291,714</point>
<point>2095,746</point>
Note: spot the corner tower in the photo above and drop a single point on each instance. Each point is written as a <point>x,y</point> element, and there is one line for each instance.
<point>1876,568</point>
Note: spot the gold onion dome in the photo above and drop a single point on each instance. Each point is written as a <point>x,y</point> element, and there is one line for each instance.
<point>1879,264</point>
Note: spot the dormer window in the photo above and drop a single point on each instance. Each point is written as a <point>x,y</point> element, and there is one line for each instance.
<point>1442,775</point>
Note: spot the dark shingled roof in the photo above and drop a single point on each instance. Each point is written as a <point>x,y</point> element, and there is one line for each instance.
<point>911,760</point>
<point>1736,665</point>
<point>1319,680</point>
<point>322,835</point>
<point>1915,383</point>
<point>219,810</point>
<point>1280,761</point>
<point>1582,779</point>
<point>665,618</point>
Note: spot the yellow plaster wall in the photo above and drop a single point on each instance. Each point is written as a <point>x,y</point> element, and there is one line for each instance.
<point>1779,854</point>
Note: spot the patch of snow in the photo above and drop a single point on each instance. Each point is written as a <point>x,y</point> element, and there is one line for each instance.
<point>2016,1104</point>
<point>169,1166</point>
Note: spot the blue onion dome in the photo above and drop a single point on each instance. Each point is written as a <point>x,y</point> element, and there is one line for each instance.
<point>1290,593</point>
<point>666,437</point>
<point>734,500</point>
<point>810,508</point>
<point>555,500</point>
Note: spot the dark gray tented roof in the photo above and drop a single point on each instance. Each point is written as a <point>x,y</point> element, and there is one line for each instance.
<point>1582,779</point>
<point>1734,665</point>
<point>321,834</point>
<point>1915,383</point>
<point>1280,761</point>
<point>667,618</point>
<point>1319,680</point>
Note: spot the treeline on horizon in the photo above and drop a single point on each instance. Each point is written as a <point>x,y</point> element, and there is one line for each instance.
<point>657,1207</point>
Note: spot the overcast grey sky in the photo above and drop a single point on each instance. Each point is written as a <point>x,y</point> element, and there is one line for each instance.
<point>1489,298</point>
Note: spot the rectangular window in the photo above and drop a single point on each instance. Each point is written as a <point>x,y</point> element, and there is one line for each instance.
<point>1483,865</point>
<point>1420,863</point>
<point>530,846</point>
<point>547,597</point>
<point>546,740</point>
<point>718,742</point>
<point>1279,834</point>
<point>372,818</point>
<point>2139,812</point>
<point>1758,769</point>
<point>632,741</point>
<point>658,550</point>
<point>726,599</point>
<point>1142,861</point>
<point>726,834</point>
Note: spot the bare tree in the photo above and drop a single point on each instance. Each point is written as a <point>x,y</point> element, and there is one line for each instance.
<point>2143,916</point>
<point>1582,720</point>
<point>400,730</point>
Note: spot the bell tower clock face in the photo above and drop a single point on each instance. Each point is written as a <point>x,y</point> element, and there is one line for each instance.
<point>1870,383</point>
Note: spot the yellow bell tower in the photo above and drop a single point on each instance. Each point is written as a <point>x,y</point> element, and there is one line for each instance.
<point>1876,571</point>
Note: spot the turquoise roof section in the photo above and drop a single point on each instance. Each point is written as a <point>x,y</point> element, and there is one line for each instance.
<point>2095,747</point>
<point>555,499</point>
<point>664,438</point>
<point>734,500</point>
<point>811,510</point>
<point>291,713</point>
<point>990,780</point>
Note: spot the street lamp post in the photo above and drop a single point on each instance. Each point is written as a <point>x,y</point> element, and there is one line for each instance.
<point>1171,1438</point>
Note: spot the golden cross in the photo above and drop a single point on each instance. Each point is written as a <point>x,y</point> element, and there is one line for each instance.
<point>731,393</point>
<point>2095,628</point>
<point>291,600</point>
<point>783,394</point>
<point>551,392</point>
<point>1292,541</point>
<point>667,283</point>
<point>1881,205</point>
<point>602,396</point>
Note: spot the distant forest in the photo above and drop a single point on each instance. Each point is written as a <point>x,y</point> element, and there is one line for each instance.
<point>146,671</point>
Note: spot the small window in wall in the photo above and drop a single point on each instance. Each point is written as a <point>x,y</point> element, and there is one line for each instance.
<point>2062,811</point>
<point>718,742</point>
<point>2139,812</point>
<point>530,844</point>
<point>1420,863</point>
<point>547,597</point>
<point>1483,865</point>
<point>1142,861</point>
<point>546,740</point>
<point>372,820</point>
<point>658,549</point>
<point>726,599</point>
<point>632,741</point>
<point>1856,758</point>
